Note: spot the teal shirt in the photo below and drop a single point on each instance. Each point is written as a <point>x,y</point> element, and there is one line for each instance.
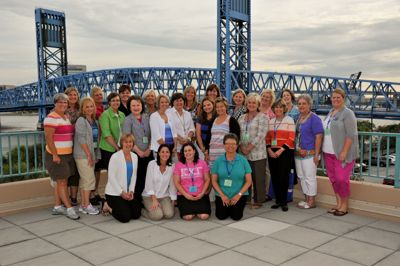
<point>111,125</point>
<point>238,168</point>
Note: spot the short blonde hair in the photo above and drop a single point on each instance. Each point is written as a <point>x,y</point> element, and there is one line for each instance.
<point>340,91</point>
<point>239,90</point>
<point>94,90</point>
<point>73,89</point>
<point>255,96</point>
<point>159,97</point>
<point>270,91</point>
<point>125,137</point>
<point>83,102</point>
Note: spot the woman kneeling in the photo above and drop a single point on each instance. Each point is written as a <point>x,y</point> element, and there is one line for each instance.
<point>159,192</point>
<point>192,178</point>
<point>231,179</point>
<point>121,201</point>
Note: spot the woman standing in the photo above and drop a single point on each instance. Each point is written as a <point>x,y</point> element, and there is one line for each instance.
<point>121,200</point>
<point>223,124</point>
<point>191,104</point>
<point>289,99</point>
<point>253,128</point>
<point>149,98</point>
<point>159,193</point>
<point>213,91</point>
<point>59,133</point>
<point>238,101</point>
<point>124,94</point>
<point>181,120</point>
<point>280,145</point>
<point>111,122</point>
<point>231,179</point>
<point>309,133</point>
<point>203,126</point>
<point>340,147</point>
<point>192,178</point>
<point>73,113</point>
<point>267,100</point>
<point>86,152</point>
<point>161,127</point>
<point>97,96</point>
<point>138,125</point>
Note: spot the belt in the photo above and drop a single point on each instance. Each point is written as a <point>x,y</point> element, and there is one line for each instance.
<point>309,153</point>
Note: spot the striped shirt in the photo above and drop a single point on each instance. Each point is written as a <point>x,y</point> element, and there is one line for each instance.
<point>282,131</point>
<point>63,134</point>
<point>218,132</point>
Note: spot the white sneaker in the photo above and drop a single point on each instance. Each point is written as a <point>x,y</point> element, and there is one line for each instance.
<point>301,204</point>
<point>89,210</point>
<point>60,210</point>
<point>71,214</point>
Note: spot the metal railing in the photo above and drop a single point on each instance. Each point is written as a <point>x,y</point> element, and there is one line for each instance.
<point>22,156</point>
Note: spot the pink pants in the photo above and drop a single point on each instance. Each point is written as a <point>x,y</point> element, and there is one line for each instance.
<point>338,174</point>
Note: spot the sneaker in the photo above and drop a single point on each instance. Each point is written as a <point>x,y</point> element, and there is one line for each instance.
<point>74,201</point>
<point>71,214</point>
<point>89,210</point>
<point>61,210</point>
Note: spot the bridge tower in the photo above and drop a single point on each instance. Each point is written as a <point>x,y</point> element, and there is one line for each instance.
<point>233,45</point>
<point>51,46</point>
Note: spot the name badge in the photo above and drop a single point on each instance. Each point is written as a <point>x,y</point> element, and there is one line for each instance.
<point>274,142</point>
<point>228,183</point>
<point>246,137</point>
<point>145,140</point>
<point>327,131</point>
<point>192,189</point>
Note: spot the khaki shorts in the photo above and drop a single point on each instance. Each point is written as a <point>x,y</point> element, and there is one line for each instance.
<point>87,180</point>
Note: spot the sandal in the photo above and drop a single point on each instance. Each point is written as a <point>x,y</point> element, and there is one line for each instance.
<point>256,205</point>
<point>306,206</point>
<point>332,210</point>
<point>340,213</point>
<point>106,210</point>
<point>301,204</point>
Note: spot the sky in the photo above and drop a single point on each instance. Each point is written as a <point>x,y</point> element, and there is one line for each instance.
<point>319,37</point>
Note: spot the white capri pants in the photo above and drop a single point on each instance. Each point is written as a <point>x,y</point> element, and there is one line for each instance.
<point>307,173</point>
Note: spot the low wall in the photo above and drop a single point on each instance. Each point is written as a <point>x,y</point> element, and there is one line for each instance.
<point>370,199</point>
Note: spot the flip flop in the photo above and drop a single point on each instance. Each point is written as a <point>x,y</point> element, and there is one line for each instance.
<point>340,213</point>
<point>332,210</point>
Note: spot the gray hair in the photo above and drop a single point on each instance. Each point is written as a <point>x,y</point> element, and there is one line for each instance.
<point>60,97</point>
<point>306,98</point>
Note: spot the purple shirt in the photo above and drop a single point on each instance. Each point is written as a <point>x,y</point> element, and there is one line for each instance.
<point>308,130</point>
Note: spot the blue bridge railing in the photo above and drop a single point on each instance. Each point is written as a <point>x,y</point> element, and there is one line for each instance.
<point>22,156</point>
<point>368,98</point>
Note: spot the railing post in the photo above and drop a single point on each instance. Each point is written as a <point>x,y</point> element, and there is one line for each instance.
<point>397,164</point>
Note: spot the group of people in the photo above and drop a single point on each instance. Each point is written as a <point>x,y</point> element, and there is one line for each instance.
<point>162,152</point>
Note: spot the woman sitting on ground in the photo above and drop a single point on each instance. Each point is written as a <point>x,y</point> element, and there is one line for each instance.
<point>159,192</point>
<point>192,178</point>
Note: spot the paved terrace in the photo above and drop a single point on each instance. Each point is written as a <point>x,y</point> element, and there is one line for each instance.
<point>263,237</point>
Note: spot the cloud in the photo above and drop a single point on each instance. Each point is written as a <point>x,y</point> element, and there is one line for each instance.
<point>334,38</point>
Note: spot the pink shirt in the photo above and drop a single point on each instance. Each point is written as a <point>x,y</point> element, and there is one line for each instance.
<point>186,172</point>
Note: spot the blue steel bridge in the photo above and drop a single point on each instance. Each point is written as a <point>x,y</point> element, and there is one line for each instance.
<point>368,98</point>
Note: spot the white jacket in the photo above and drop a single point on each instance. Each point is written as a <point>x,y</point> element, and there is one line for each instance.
<point>117,181</point>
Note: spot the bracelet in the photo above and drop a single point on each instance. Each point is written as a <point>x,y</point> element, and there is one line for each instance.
<point>240,194</point>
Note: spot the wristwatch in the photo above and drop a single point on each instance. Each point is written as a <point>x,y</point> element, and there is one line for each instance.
<point>240,194</point>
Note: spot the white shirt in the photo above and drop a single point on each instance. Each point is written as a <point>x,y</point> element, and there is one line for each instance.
<point>157,128</point>
<point>117,181</point>
<point>327,145</point>
<point>182,124</point>
<point>159,184</point>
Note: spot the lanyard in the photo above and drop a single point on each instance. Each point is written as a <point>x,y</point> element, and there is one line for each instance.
<point>276,127</point>
<point>229,171</point>
<point>329,118</point>
<point>191,173</point>
<point>141,125</point>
